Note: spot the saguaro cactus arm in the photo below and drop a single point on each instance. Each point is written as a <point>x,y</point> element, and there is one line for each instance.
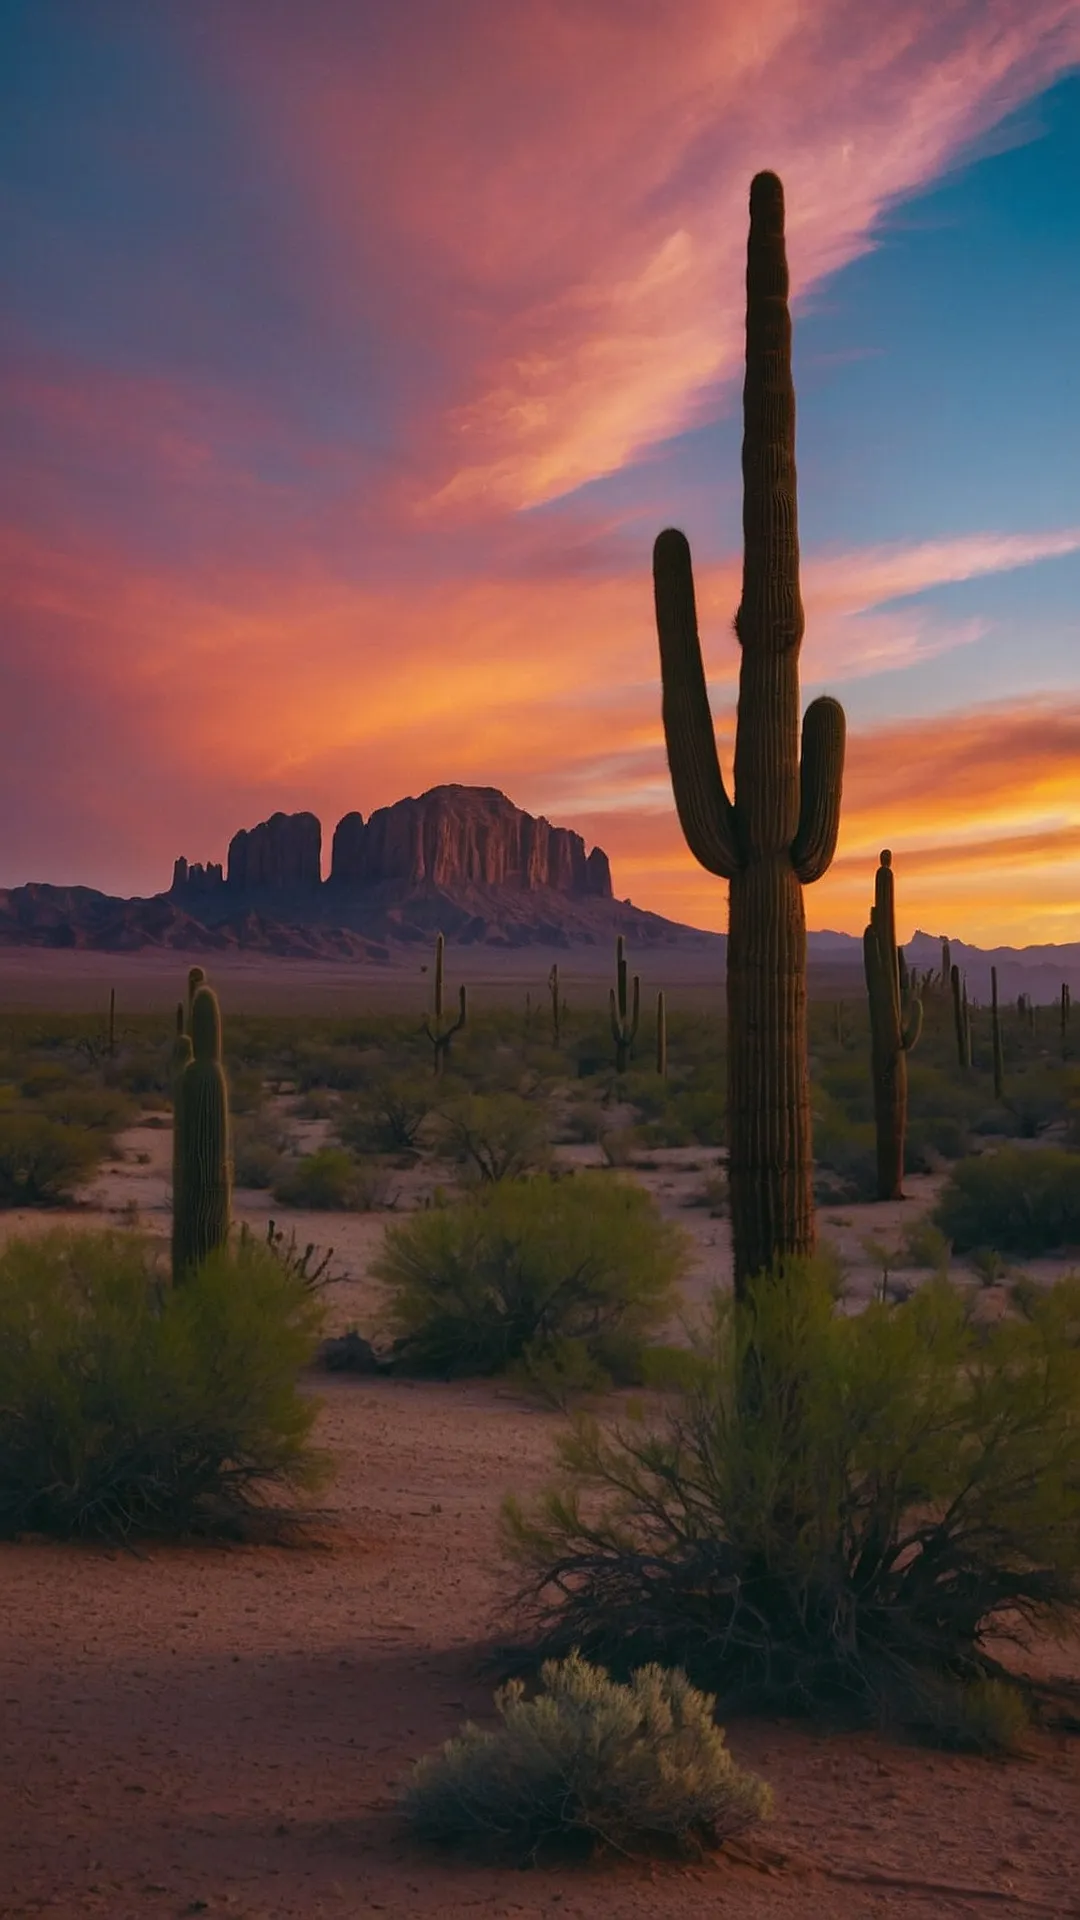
<point>821,779</point>
<point>706,815</point>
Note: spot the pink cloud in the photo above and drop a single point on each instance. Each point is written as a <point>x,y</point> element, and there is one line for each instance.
<point>561,192</point>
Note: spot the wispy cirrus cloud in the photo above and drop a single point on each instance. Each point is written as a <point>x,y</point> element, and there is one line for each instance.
<point>570,211</point>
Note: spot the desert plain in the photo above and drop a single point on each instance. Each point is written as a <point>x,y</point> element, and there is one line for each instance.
<point>223,1729</point>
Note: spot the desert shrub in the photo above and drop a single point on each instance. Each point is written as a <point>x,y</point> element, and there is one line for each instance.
<point>43,1077</point>
<point>930,1139</point>
<point>258,1146</point>
<point>714,1193</point>
<point>838,1509</point>
<point>501,1276</point>
<point>141,1072</point>
<point>342,1068</point>
<point>246,1089</point>
<point>668,1129</point>
<point>924,1245</point>
<point>103,1109</point>
<point>130,1406</point>
<point>589,1763</point>
<point>390,1118</point>
<point>976,1716</point>
<point>1019,1200</point>
<point>42,1160</point>
<point>496,1136</point>
<point>845,1154</point>
<point>702,1112</point>
<point>326,1180</point>
<point>585,1121</point>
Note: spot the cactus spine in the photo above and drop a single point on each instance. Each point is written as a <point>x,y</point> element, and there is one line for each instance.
<point>779,832</point>
<point>995,1037</point>
<point>661,1034</point>
<point>203,1176</point>
<point>895,1024</point>
<point>553,989</point>
<point>624,1023</point>
<point>440,1035</point>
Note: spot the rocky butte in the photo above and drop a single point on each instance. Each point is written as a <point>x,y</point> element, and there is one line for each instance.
<point>462,859</point>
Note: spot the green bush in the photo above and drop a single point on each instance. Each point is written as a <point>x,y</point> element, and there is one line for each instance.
<point>128,1406</point>
<point>390,1118</point>
<point>1019,1200</point>
<point>259,1144</point>
<point>838,1509</point>
<point>496,1136</point>
<point>502,1276</point>
<point>588,1762</point>
<point>324,1181</point>
<point>42,1160</point>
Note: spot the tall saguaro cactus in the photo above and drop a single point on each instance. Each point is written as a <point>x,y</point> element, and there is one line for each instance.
<point>779,832</point>
<point>895,1024</point>
<point>203,1171</point>
<point>440,1035</point>
<point>625,1009</point>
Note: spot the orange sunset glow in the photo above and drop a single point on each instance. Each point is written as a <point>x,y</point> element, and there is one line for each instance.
<point>345,391</point>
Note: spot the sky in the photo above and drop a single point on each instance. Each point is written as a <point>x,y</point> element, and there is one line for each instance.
<point>352,356</point>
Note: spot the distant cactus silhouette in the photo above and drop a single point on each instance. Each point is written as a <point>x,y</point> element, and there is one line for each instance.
<point>624,1023</point>
<point>439,1035</point>
<point>779,832</point>
<point>202,1201</point>
<point>895,1024</point>
<point>995,1039</point>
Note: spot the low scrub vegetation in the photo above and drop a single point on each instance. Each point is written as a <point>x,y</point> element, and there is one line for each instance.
<point>42,1161</point>
<point>509,1272</point>
<point>588,1763</point>
<point>835,1511</point>
<point>128,1406</point>
<point>1017,1200</point>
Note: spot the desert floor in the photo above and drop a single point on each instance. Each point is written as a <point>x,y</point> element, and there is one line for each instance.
<point>222,1730</point>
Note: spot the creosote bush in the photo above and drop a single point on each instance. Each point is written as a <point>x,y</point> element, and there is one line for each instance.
<point>326,1180</point>
<point>496,1136</point>
<point>834,1509</point>
<point>131,1407</point>
<point>588,1763</point>
<point>505,1274</point>
<point>1017,1200</point>
<point>42,1160</point>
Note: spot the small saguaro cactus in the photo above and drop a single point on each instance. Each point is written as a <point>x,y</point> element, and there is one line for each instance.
<point>946,965</point>
<point>181,1054</point>
<point>961,1019</point>
<point>553,989</point>
<point>624,1024</point>
<point>203,1196</point>
<point>995,1039</point>
<point>779,832</point>
<point>661,1034</point>
<point>895,1024</point>
<point>440,1035</point>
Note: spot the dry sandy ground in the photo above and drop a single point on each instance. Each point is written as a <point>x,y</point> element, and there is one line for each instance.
<point>223,1731</point>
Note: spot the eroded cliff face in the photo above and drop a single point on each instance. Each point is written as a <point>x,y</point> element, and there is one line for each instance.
<point>465,836</point>
<point>282,854</point>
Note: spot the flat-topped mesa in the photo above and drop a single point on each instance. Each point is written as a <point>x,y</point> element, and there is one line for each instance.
<point>280,855</point>
<point>458,836</point>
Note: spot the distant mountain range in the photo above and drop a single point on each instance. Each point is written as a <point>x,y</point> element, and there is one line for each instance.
<point>463,860</point>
